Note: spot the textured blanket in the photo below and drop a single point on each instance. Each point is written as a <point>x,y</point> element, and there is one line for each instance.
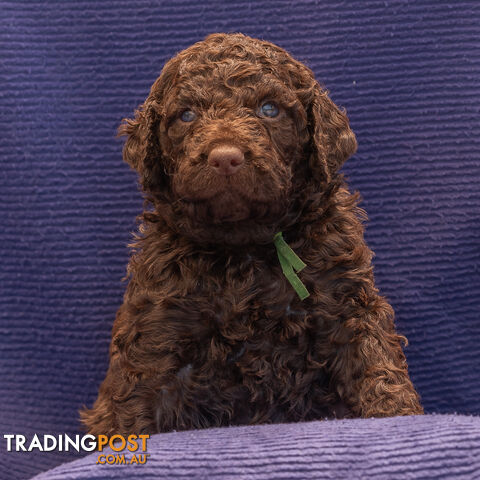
<point>433,447</point>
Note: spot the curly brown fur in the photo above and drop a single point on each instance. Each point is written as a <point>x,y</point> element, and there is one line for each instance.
<point>210,332</point>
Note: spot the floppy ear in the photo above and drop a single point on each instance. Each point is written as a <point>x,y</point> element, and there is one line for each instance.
<point>333,142</point>
<point>142,148</point>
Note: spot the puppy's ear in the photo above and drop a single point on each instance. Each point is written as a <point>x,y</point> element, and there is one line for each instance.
<point>142,148</point>
<point>333,142</point>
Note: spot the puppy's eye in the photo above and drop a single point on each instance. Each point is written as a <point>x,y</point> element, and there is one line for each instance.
<point>188,116</point>
<point>268,109</point>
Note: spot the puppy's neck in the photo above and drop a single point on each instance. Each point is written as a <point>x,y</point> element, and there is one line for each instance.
<point>306,207</point>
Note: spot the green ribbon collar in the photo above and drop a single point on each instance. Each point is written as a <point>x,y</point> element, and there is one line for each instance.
<point>290,262</point>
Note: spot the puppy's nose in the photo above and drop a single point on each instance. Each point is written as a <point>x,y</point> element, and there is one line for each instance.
<point>225,159</point>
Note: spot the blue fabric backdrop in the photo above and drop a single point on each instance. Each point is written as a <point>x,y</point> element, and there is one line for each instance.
<point>408,73</point>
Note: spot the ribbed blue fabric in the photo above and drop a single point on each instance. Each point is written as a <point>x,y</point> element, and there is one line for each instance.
<point>404,448</point>
<point>407,72</point>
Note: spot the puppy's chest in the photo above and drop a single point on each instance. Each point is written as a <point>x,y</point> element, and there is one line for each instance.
<point>255,289</point>
<point>248,278</point>
<point>229,310</point>
<point>239,321</point>
<point>252,312</point>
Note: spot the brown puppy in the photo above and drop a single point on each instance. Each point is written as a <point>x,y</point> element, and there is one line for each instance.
<point>235,143</point>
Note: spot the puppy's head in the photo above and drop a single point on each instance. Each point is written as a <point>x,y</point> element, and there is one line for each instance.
<point>231,128</point>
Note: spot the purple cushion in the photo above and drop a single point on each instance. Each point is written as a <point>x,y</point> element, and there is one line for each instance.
<point>430,446</point>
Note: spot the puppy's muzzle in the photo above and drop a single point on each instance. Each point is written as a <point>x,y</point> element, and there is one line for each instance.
<point>225,159</point>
